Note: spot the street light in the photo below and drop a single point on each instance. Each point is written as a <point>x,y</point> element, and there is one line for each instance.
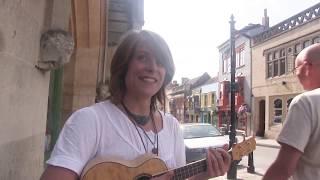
<point>232,173</point>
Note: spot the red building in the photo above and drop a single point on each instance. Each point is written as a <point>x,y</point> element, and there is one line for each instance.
<point>224,100</point>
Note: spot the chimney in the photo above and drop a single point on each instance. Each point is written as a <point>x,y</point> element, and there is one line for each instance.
<point>174,82</point>
<point>184,80</point>
<point>265,19</point>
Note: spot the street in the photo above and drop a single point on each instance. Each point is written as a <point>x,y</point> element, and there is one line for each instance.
<point>263,157</point>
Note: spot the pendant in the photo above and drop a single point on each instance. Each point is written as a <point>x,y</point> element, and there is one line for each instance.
<point>154,150</point>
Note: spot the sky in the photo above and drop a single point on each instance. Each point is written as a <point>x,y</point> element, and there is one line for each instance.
<point>194,29</point>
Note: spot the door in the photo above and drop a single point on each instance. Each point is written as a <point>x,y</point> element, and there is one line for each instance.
<point>262,113</point>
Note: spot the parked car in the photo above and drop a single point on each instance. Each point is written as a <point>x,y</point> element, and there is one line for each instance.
<point>200,136</point>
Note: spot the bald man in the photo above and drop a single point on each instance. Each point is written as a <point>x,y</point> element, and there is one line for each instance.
<point>299,155</point>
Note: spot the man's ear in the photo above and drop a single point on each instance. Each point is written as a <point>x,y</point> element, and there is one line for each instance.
<point>308,69</point>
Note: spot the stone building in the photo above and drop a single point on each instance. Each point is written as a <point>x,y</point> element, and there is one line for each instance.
<point>179,94</point>
<point>208,93</point>
<point>273,55</point>
<point>35,102</point>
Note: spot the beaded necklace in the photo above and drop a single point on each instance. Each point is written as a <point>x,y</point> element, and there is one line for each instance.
<point>136,121</point>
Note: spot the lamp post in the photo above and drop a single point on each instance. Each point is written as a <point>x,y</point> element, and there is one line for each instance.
<point>232,173</point>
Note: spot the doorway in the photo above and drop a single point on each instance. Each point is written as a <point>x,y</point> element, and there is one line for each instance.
<point>262,113</point>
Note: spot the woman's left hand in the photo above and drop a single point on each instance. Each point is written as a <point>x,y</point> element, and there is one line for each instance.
<point>218,162</point>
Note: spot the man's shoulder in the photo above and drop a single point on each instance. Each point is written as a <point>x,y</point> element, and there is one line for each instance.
<point>313,93</point>
<point>307,96</point>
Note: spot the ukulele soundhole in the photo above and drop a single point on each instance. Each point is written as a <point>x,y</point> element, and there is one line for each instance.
<point>143,177</point>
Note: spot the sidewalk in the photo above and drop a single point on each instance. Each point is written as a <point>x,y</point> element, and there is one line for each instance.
<point>267,142</point>
<point>242,173</point>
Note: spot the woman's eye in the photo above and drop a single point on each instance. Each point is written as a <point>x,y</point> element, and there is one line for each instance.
<point>160,64</point>
<point>141,57</point>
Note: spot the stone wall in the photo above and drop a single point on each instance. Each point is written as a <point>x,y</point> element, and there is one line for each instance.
<point>24,88</point>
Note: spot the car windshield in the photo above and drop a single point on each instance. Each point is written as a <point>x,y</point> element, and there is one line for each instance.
<point>198,131</point>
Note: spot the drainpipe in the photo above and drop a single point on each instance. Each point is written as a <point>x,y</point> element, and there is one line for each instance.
<point>55,105</point>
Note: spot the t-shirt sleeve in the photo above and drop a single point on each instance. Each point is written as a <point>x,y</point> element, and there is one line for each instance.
<point>298,125</point>
<point>180,153</point>
<point>77,142</point>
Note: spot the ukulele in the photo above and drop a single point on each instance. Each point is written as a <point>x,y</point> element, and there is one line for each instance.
<point>148,166</point>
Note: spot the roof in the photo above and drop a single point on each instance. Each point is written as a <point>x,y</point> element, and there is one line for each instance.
<point>249,31</point>
<point>212,80</point>
<point>289,24</point>
<point>192,83</point>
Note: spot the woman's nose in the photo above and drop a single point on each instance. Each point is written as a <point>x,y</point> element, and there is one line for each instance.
<point>152,64</point>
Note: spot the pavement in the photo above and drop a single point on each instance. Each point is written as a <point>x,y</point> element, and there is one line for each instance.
<point>272,143</point>
<point>242,173</point>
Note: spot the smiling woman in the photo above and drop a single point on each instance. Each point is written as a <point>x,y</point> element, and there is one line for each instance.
<point>129,124</point>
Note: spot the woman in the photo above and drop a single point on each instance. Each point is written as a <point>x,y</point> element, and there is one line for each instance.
<point>129,123</point>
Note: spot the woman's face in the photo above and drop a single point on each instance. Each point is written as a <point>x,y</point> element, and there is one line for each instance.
<point>145,74</point>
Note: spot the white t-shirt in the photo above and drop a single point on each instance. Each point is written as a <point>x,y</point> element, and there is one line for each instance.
<point>302,131</point>
<point>103,130</point>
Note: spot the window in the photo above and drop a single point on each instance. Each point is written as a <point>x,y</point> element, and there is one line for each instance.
<point>237,60</point>
<point>316,40</point>
<point>240,56</point>
<point>276,63</point>
<point>225,63</point>
<point>229,64</point>
<point>226,67</point>
<point>290,61</point>
<point>269,70</point>
<point>280,61</point>
<point>277,105</point>
<point>275,68</point>
<point>297,48</point>
<point>306,43</point>
<point>212,99</point>
<point>196,101</point>
<point>205,100</point>
<point>190,103</point>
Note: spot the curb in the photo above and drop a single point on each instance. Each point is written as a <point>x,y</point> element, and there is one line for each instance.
<point>268,145</point>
